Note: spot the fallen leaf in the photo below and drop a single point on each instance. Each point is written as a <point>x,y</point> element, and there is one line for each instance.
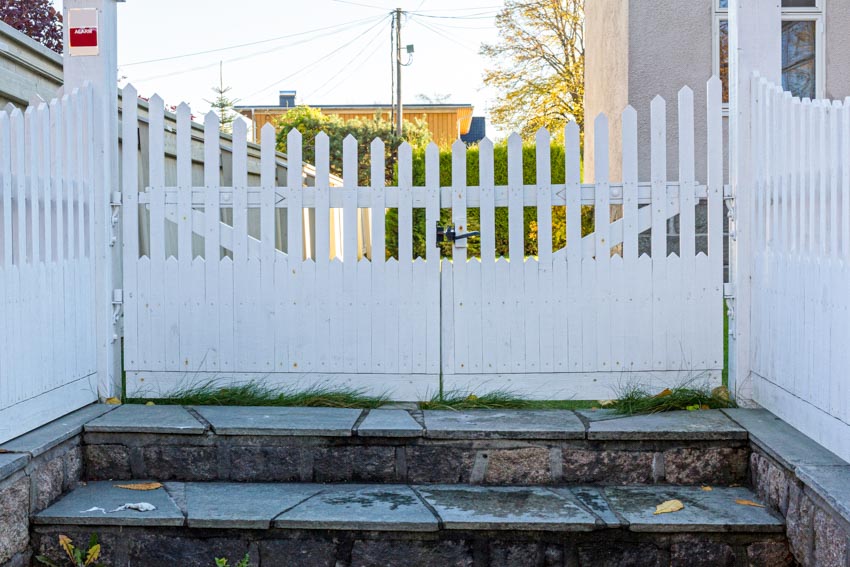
<point>706,488</point>
<point>721,393</point>
<point>150,404</point>
<point>663,393</point>
<point>749,503</point>
<point>606,403</point>
<point>140,486</point>
<point>113,401</point>
<point>668,507</point>
<point>705,407</point>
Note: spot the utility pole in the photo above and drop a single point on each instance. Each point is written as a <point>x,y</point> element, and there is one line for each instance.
<point>400,113</point>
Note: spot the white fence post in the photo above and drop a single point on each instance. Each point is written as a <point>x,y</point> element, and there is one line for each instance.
<point>754,46</point>
<point>98,65</point>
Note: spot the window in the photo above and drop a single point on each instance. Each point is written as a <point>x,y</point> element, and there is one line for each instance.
<point>802,47</point>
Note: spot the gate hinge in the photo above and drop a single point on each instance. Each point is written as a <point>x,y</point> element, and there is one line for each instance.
<point>115,204</point>
<point>727,192</point>
<point>728,291</point>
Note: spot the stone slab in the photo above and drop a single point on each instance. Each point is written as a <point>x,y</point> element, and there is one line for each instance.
<point>46,437</point>
<point>503,424</point>
<point>242,505</point>
<point>832,483</point>
<point>600,414</point>
<point>11,463</point>
<point>704,511</point>
<point>463,507</point>
<point>137,418</point>
<point>361,507</point>
<point>106,495</point>
<point>676,425</point>
<point>781,441</point>
<point>389,423</point>
<point>321,422</point>
<point>593,498</point>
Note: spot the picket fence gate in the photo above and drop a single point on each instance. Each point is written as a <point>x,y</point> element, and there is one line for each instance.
<point>801,248</point>
<point>573,322</point>
<point>47,303</point>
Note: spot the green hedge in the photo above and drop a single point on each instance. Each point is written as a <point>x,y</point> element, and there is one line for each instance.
<point>500,168</point>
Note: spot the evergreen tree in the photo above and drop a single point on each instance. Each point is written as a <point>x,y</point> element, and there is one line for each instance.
<point>222,104</point>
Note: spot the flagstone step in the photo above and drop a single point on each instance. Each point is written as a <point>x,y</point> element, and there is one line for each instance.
<point>399,524</point>
<point>495,447</point>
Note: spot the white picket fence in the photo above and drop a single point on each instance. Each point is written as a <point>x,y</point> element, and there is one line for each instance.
<point>47,310</point>
<point>567,323</point>
<point>801,279</point>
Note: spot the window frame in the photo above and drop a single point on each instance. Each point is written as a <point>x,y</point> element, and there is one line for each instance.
<point>812,13</point>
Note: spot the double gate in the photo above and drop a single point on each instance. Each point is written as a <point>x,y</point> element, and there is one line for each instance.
<point>221,285</point>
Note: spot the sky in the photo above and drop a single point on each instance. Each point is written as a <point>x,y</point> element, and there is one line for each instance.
<point>347,62</point>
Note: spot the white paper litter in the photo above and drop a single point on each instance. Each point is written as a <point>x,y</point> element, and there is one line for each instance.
<point>93,509</point>
<point>139,507</point>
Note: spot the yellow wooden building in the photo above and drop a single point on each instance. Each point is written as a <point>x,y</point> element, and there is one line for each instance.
<point>447,122</point>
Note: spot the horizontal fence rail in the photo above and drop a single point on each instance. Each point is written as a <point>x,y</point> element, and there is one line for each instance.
<point>801,240</point>
<point>47,309</point>
<point>620,299</point>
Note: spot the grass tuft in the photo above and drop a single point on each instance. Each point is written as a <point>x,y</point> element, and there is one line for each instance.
<point>259,394</point>
<point>497,399</point>
<point>633,398</point>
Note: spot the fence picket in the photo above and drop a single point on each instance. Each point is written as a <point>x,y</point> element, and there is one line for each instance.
<point>6,366</point>
<point>546,302</point>
<point>602,221</point>
<point>715,213</point>
<point>574,246</point>
<point>491,330</point>
<point>58,168</point>
<point>407,315</point>
<point>294,244</point>
<point>462,314</point>
<point>262,349</point>
<point>349,249</point>
<point>658,150</point>
<point>323,314</point>
<point>212,253</point>
<point>378,263</point>
<point>189,340</point>
<point>687,226</point>
<point>635,343</point>
<point>156,194</point>
<point>432,257</point>
<point>516,248</point>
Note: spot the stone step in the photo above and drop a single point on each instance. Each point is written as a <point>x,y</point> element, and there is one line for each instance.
<point>308,524</point>
<point>262,444</point>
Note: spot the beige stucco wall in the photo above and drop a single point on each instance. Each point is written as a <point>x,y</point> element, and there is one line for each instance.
<point>606,74</point>
<point>837,36</point>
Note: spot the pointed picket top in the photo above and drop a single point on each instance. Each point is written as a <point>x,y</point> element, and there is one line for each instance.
<point>600,123</point>
<point>292,138</point>
<point>515,176</point>
<point>376,159</point>
<point>349,139</point>
<point>322,157</point>
<point>405,165</point>
<point>714,84</point>
<point>629,114</point>
<point>377,146</point>
<point>405,149</point>
<point>156,101</point>
<point>542,136</point>
<point>686,92</point>
<point>485,143</point>
<point>9,108</point>
<point>267,130</point>
<point>458,146</point>
<point>432,149</point>
<point>322,138</point>
<point>268,149</point>
<point>184,111</point>
<point>129,92</point>
<point>210,120</point>
<point>658,104</point>
<point>432,165</point>
<point>239,128</point>
<point>349,160</point>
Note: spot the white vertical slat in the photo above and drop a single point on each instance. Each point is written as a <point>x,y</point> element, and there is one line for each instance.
<point>636,344</point>
<point>407,315</point>
<point>379,312</point>
<point>715,215</point>
<point>516,247</point>
<point>432,257</point>
<point>349,250</point>
<point>658,133</point>
<point>419,335</point>
<point>845,181</point>
<point>15,272</point>
<point>834,175</point>
<point>189,358</point>
<point>243,329</point>
<point>462,316</point>
<point>68,127</point>
<point>263,359</point>
<point>574,247</point>
<point>335,315</point>
<point>48,288</point>
<point>391,315</point>
<point>156,195</point>
<point>6,261</point>
<point>33,175</point>
<point>545,302</point>
<point>687,226</point>
<point>212,252</point>
<point>33,293</point>
<point>823,176</point>
<point>492,324</point>
<point>799,175</point>
<point>93,200</point>
<point>602,221</point>
<point>79,195</point>
<point>323,233</point>
<point>294,245</point>
<point>58,168</point>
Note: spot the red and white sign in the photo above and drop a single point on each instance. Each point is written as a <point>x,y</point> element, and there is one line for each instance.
<point>82,32</point>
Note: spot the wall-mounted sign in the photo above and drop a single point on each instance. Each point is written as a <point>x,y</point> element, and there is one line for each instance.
<point>82,32</point>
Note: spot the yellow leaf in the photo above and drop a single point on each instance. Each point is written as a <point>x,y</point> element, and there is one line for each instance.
<point>721,393</point>
<point>749,503</point>
<point>663,393</point>
<point>706,489</point>
<point>668,507</point>
<point>65,542</point>
<point>705,407</point>
<point>140,486</point>
<point>606,403</point>
<point>93,554</point>
<point>113,401</point>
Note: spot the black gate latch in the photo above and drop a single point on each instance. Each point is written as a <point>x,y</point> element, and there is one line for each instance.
<point>448,234</point>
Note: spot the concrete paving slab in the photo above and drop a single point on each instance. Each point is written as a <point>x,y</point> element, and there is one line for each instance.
<point>106,495</point>
<point>242,505</point>
<point>503,424</point>
<point>463,507</point>
<point>781,441</point>
<point>46,437</point>
<point>593,499</point>
<point>11,463</point>
<point>832,483</point>
<point>679,425</point>
<point>704,511</point>
<point>137,418</point>
<point>389,423</point>
<point>600,414</point>
<point>361,507</point>
<point>322,422</point>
